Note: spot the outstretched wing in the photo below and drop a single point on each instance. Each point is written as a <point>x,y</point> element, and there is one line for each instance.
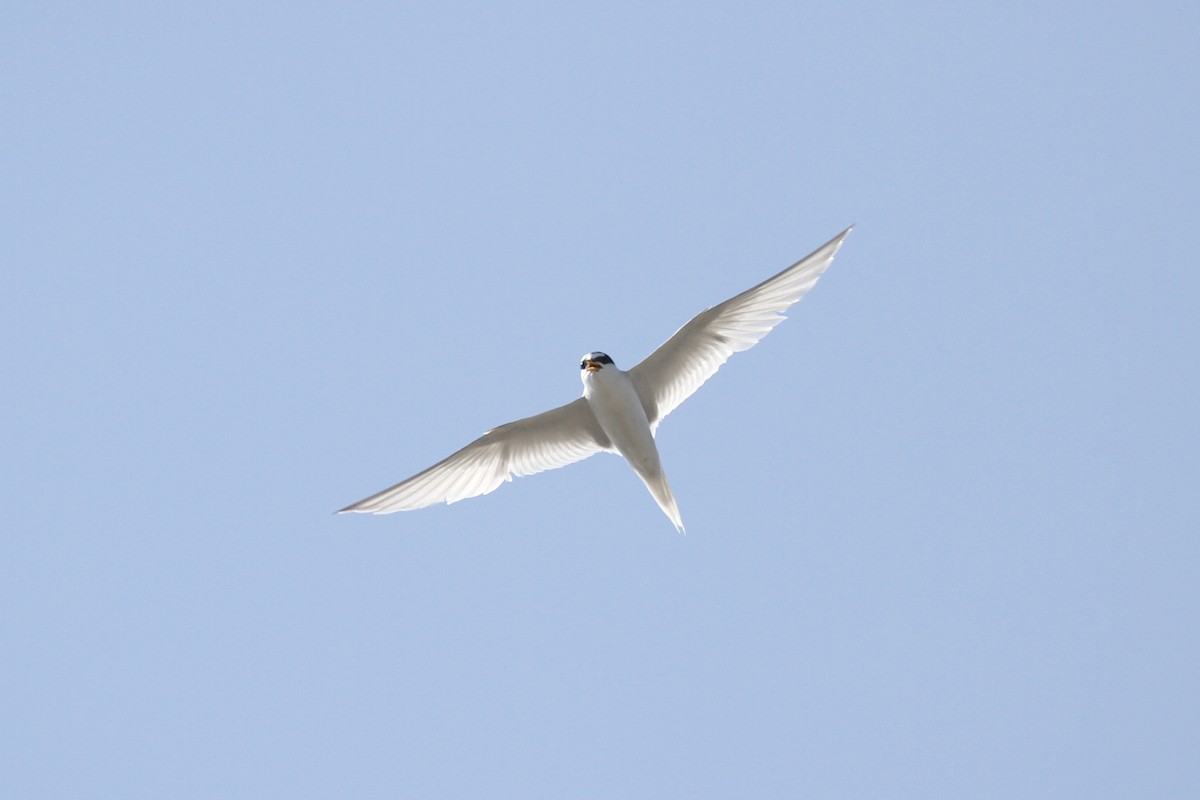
<point>550,440</point>
<point>670,374</point>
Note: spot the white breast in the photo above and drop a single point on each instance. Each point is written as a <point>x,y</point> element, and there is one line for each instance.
<point>615,402</point>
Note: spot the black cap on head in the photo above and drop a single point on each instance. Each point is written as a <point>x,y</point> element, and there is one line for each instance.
<point>598,357</point>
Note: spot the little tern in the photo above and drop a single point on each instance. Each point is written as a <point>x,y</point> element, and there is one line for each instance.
<point>619,411</point>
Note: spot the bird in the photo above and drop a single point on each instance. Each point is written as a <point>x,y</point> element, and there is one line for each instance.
<point>620,411</point>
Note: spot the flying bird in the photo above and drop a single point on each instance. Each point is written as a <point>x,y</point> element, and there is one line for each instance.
<point>619,411</point>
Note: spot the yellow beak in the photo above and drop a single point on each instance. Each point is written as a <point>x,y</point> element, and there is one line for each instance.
<point>592,366</point>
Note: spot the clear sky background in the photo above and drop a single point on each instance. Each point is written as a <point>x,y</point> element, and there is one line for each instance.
<point>262,260</point>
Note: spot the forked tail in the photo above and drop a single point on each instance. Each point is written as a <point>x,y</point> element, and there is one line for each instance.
<point>661,491</point>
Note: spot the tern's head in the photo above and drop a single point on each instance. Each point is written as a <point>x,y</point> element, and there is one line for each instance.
<point>594,362</point>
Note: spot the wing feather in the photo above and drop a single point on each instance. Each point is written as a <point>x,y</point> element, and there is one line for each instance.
<point>545,441</point>
<point>674,371</point>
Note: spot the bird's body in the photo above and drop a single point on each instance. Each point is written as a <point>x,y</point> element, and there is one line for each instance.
<point>619,411</point>
<point>611,396</point>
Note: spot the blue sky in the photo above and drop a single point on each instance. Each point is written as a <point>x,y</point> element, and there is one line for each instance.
<point>261,260</point>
